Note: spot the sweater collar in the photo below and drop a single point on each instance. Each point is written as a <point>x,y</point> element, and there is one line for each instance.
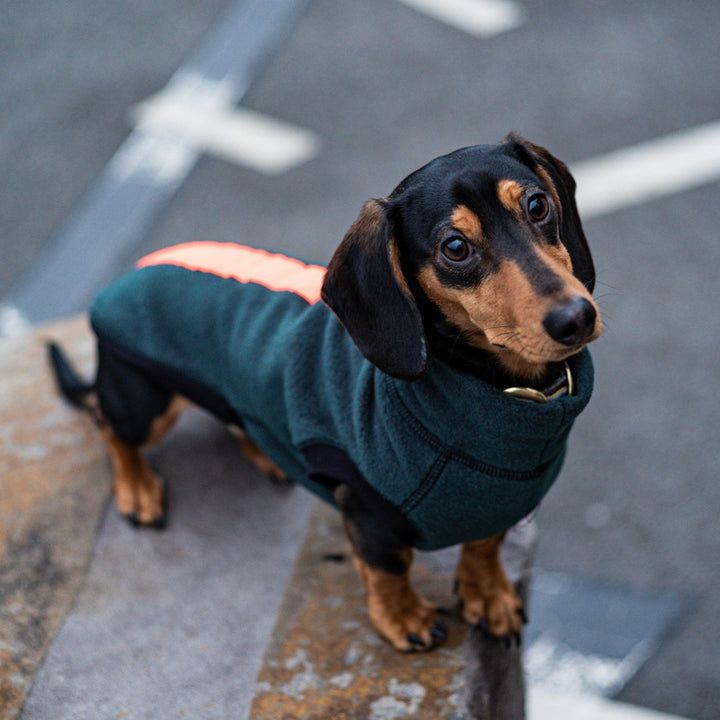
<point>489,424</point>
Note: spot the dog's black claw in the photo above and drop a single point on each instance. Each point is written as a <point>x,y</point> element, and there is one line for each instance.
<point>523,616</point>
<point>414,639</point>
<point>159,523</point>
<point>438,631</point>
<point>506,640</point>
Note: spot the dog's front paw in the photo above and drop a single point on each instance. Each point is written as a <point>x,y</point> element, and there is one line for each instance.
<point>495,607</point>
<point>409,622</point>
<point>398,613</point>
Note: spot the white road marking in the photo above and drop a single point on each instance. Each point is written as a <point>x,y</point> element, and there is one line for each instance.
<point>483,18</point>
<point>552,664</point>
<point>198,115</point>
<point>13,322</point>
<point>648,171</point>
<point>126,198</point>
<point>153,158</point>
<point>544,703</point>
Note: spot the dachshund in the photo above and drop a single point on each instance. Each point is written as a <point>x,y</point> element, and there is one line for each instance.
<point>425,383</point>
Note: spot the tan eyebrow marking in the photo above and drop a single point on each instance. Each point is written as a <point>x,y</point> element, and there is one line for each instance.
<point>467,222</point>
<point>509,192</point>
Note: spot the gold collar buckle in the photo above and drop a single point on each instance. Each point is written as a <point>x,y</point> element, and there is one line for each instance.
<point>562,386</point>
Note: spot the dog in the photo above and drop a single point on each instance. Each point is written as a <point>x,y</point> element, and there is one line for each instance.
<point>424,383</point>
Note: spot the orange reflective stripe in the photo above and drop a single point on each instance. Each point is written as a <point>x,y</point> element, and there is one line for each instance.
<point>245,264</point>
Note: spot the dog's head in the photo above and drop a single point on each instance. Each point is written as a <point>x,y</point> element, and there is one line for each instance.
<point>481,248</point>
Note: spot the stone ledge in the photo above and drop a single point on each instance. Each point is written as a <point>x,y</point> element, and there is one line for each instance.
<point>325,661</point>
<point>54,483</point>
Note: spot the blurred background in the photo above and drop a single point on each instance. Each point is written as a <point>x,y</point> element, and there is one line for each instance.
<point>119,127</point>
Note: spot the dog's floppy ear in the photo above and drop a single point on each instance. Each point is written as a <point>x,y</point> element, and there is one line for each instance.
<point>366,289</point>
<point>571,227</point>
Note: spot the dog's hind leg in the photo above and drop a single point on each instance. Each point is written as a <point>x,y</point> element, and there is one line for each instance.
<point>138,491</point>
<point>135,412</point>
<point>261,461</point>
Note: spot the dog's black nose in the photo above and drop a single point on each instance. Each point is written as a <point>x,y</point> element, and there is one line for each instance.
<point>572,322</point>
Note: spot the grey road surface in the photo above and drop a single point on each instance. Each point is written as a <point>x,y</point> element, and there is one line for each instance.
<point>386,88</point>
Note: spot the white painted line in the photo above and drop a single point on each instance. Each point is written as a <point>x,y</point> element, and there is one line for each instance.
<point>550,663</point>
<point>649,170</point>
<point>12,321</point>
<point>144,174</point>
<point>483,18</point>
<point>545,704</point>
<point>200,116</point>
<point>152,158</point>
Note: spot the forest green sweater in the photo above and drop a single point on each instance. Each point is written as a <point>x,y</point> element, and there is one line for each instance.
<point>459,459</point>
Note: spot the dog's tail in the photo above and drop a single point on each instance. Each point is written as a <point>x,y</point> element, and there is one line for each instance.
<point>75,390</point>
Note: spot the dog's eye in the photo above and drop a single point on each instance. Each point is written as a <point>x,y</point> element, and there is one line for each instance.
<point>455,249</point>
<point>538,207</point>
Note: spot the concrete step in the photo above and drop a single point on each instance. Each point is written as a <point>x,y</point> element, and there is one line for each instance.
<point>324,660</point>
<point>54,485</point>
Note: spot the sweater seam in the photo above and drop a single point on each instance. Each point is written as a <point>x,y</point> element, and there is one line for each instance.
<point>426,485</point>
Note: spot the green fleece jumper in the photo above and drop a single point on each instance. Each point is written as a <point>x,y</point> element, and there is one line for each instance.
<point>459,459</point>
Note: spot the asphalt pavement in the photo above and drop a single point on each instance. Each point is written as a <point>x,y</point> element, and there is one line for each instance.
<point>383,88</point>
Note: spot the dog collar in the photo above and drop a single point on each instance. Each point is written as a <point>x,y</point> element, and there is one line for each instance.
<point>560,387</point>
